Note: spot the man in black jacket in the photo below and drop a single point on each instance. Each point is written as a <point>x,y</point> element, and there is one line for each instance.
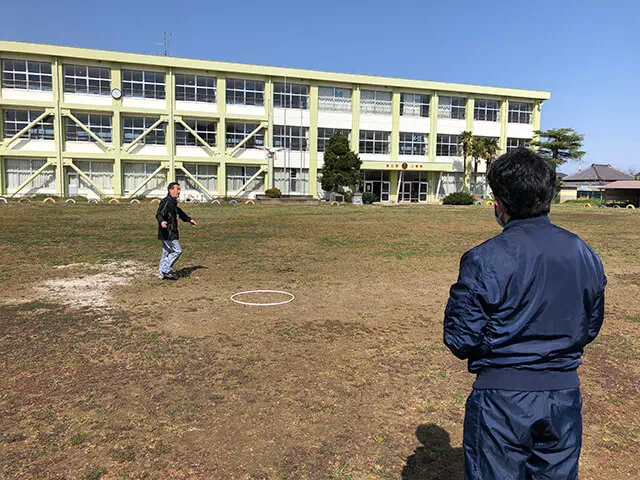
<point>525,305</point>
<point>167,216</point>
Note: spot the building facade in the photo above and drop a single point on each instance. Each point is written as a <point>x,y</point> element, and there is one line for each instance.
<point>107,124</point>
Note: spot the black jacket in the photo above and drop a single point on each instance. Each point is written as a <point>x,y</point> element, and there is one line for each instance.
<point>168,211</point>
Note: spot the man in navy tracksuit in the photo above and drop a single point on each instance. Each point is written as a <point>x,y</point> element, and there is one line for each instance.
<point>525,305</point>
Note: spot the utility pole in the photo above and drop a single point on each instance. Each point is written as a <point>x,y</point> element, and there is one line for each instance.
<point>165,42</point>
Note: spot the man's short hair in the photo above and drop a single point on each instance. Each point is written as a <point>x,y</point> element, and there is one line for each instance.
<point>524,182</point>
<point>171,185</point>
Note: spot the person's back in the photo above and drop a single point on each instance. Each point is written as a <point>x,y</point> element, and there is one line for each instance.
<point>525,305</point>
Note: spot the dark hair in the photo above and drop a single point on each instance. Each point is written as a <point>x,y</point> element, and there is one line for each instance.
<point>524,182</point>
<point>171,185</point>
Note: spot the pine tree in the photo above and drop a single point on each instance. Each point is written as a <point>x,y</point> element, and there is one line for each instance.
<point>341,165</point>
<point>560,145</point>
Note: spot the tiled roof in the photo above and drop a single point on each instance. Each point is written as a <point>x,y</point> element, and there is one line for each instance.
<point>623,185</point>
<point>598,173</point>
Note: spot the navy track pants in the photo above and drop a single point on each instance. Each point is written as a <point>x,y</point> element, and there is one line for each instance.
<point>515,435</point>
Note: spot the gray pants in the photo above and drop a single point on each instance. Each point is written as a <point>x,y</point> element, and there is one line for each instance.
<point>171,251</point>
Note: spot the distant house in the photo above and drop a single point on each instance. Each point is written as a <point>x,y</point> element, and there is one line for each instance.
<point>589,183</point>
<point>624,191</point>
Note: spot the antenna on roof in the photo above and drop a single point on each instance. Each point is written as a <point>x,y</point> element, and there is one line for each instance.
<point>165,42</point>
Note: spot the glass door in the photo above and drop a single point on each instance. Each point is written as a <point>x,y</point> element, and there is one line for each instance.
<point>422,193</point>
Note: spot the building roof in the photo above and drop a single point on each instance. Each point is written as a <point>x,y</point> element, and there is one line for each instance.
<point>22,48</point>
<point>623,185</point>
<point>598,173</point>
<point>561,175</point>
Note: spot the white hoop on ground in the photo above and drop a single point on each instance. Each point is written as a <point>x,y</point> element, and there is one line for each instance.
<point>3,200</point>
<point>69,200</point>
<point>263,304</point>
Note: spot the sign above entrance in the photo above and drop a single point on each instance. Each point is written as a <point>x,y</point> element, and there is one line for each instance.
<point>405,166</point>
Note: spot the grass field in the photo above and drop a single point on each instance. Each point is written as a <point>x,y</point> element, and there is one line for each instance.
<point>107,372</point>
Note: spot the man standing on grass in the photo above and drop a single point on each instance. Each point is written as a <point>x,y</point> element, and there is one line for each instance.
<point>525,305</point>
<point>167,216</point>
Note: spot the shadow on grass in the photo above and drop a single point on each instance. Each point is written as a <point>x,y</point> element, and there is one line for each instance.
<point>435,459</point>
<point>187,271</point>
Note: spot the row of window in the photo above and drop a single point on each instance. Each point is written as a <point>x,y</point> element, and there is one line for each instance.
<point>30,75</point>
<point>290,137</point>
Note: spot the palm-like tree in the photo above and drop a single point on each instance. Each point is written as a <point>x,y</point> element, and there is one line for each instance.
<point>477,148</point>
<point>465,140</point>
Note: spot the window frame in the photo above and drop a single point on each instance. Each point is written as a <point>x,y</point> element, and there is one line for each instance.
<point>422,147</point>
<point>294,138</point>
<point>288,98</point>
<point>70,81</point>
<point>422,106</point>
<point>449,144</point>
<point>148,80</point>
<point>256,141</point>
<point>516,115</point>
<point>323,140</point>
<point>32,68</point>
<point>240,94</point>
<point>43,130</point>
<point>520,142</point>
<point>196,92</point>
<point>371,141</point>
<point>375,105</point>
<point>455,112</point>
<point>89,120</point>
<point>184,138</point>
<point>483,112</point>
<point>158,136</point>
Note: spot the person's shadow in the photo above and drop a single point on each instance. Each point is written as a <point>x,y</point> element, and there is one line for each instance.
<point>435,459</point>
<point>187,271</point>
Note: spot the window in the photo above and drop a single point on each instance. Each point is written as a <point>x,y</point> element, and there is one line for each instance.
<point>237,176</point>
<point>26,75</point>
<point>447,146</point>
<point>334,99</point>
<point>291,179</point>
<point>324,134</point>
<point>236,132</point>
<point>520,112</point>
<point>513,143</point>
<point>204,128</point>
<point>451,107</point>
<point>196,88</point>
<point>374,142</point>
<point>16,120</point>
<point>374,101</point>
<point>294,138</point>
<point>133,127</point>
<point>291,95</point>
<point>414,105</point>
<point>101,173</point>
<point>136,83</point>
<point>83,79</point>
<point>245,92</point>
<point>204,173</point>
<point>134,173</point>
<point>98,124</point>
<point>451,183</point>
<point>413,144</point>
<point>486,110</point>
<point>18,171</point>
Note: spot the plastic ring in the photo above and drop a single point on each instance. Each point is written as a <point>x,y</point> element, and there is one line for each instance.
<point>155,200</point>
<point>630,207</point>
<point>114,201</point>
<point>135,201</point>
<point>249,202</point>
<point>4,200</point>
<point>70,200</point>
<point>291,299</point>
<point>215,202</point>
<point>478,202</point>
<point>617,206</point>
<point>49,200</point>
<point>334,204</point>
<point>233,202</point>
<point>489,203</point>
<point>94,201</point>
<point>195,201</point>
<point>587,205</point>
<point>24,200</point>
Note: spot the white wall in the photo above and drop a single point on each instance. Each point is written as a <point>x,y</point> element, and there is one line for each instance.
<point>141,149</point>
<point>191,151</point>
<point>415,124</point>
<point>294,117</point>
<point>334,120</point>
<point>34,145</point>
<point>486,129</point>
<point>245,110</point>
<point>203,107</point>
<point>451,127</point>
<point>375,157</point>
<point>144,103</point>
<point>32,95</point>
<point>292,159</point>
<point>458,162</point>
<point>83,147</point>
<point>375,122</point>
<point>250,153</point>
<point>519,130</point>
<point>86,99</point>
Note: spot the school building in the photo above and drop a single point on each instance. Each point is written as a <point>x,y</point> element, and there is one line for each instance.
<point>106,124</point>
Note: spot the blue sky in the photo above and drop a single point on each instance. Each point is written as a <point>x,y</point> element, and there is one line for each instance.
<point>587,53</point>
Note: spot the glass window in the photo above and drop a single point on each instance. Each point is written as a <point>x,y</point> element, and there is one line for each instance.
<point>134,173</point>
<point>143,84</point>
<point>447,146</point>
<point>100,173</point>
<point>291,95</point>
<point>375,102</point>
<point>372,141</point>
<point>204,173</point>
<point>324,134</point>
<point>513,143</point>
<point>520,112</point>
<point>335,99</point>
<point>245,92</point>
<point>291,180</point>
<point>18,170</point>
<point>486,110</point>
<point>133,127</point>
<point>26,75</point>
<point>205,129</point>
<point>16,120</point>
<point>98,124</point>
<point>294,138</point>
<point>85,79</point>
<point>196,88</point>
<point>414,105</point>
<point>238,175</point>
<point>236,132</point>
<point>451,107</point>
<point>413,143</point>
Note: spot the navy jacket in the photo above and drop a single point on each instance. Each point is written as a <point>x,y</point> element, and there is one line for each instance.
<point>525,305</point>
<point>169,211</point>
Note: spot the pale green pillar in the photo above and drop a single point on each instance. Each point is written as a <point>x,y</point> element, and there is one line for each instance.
<point>3,186</point>
<point>395,126</point>
<point>268,134</point>
<point>393,179</point>
<point>313,139</point>
<point>433,126</point>
<point>502,142</point>
<point>221,103</point>
<point>535,119</point>
<point>171,125</point>
<point>58,128</point>
<point>468,115</point>
<point>355,119</point>
<point>116,134</point>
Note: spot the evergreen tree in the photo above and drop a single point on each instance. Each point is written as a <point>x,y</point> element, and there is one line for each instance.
<point>559,145</point>
<point>341,165</point>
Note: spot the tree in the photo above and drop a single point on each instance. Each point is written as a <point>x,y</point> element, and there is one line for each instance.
<point>465,139</point>
<point>341,165</point>
<point>559,145</point>
<point>478,148</point>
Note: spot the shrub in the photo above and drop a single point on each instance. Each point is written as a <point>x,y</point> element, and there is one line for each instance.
<point>368,198</point>
<point>348,197</point>
<point>273,193</point>
<point>592,201</point>
<point>458,198</point>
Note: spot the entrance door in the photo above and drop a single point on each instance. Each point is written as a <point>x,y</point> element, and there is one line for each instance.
<point>405,192</point>
<point>424,189</point>
<point>73,184</point>
<point>386,190</point>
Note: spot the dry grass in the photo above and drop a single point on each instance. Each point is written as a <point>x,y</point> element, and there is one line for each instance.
<point>162,380</point>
